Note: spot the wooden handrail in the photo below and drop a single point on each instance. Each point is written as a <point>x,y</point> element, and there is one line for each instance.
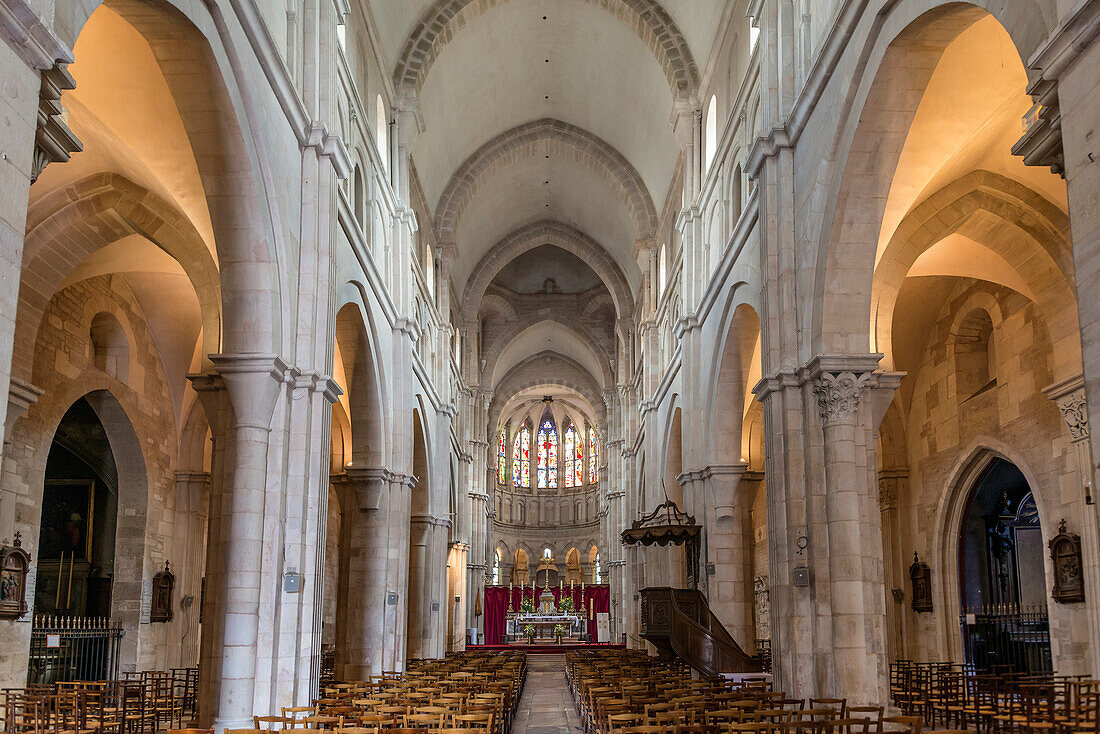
<point>680,624</point>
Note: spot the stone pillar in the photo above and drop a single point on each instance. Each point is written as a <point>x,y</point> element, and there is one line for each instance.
<point>253,383</point>
<point>395,624</point>
<point>727,520</point>
<point>1069,396</point>
<point>191,532</point>
<point>366,496</point>
<point>1062,74</point>
<point>34,60</point>
<point>856,606</point>
<point>891,483</point>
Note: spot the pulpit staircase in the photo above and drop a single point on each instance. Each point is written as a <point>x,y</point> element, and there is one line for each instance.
<point>680,624</point>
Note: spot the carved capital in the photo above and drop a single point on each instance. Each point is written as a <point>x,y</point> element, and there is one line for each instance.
<point>1069,396</point>
<point>838,395</point>
<point>887,493</point>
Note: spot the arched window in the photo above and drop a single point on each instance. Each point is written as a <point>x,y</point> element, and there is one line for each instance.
<point>593,457</point>
<point>548,454</point>
<point>502,457</point>
<point>496,568</point>
<point>382,133</point>
<point>662,270</point>
<point>571,442</point>
<point>521,457</point>
<point>110,347</point>
<point>975,356</point>
<point>429,272</point>
<point>359,196</point>
<point>711,139</point>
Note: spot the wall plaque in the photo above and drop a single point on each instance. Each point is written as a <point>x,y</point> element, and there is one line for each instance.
<point>1065,555</point>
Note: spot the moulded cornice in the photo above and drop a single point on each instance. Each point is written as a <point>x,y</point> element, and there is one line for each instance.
<point>1075,33</point>
<point>29,36</point>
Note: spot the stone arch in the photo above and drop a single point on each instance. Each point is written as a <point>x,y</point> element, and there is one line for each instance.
<point>893,70</point>
<point>364,391</point>
<point>582,334</point>
<point>950,512</point>
<point>1046,265</point>
<point>205,80</point>
<point>724,415</point>
<point>646,18</point>
<point>110,346</point>
<point>494,303</point>
<point>68,225</point>
<point>552,137</point>
<point>978,303</point>
<point>548,232</point>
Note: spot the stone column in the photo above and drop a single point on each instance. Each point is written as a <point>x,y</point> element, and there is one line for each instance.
<point>1069,396</point>
<point>396,632</point>
<point>854,542</point>
<point>34,62</point>
<point>365,536</point>
<point>192,488</point>
<point>729,540</point>
<point>253,382</point>
<point>891,483</point>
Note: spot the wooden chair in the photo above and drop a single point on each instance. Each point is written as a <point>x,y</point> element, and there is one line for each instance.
<point>907,724</point>
<point>294,714</point>
<point>838,705</point>
<point>874,713</point>
<point>423,721</point>
<point>273,723</point>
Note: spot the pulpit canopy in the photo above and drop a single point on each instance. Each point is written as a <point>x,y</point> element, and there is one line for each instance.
<point>666,525</point>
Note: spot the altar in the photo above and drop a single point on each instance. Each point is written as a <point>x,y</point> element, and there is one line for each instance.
<point>505,606</point>
<point>544,623</point>
<point>545,620</point>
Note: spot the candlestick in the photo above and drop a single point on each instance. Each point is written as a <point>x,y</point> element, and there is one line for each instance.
<point>69,593</point>
<point>57,597</point>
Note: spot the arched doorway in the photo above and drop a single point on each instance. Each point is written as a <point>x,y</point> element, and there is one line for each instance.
<point>1002,579</point>
<point>76,553</point>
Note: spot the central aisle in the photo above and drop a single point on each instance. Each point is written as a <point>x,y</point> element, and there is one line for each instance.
<point>545,706</point>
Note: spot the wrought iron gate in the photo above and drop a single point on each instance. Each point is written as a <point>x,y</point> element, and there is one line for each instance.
<point>73,648</point>
<point>1007,638</point>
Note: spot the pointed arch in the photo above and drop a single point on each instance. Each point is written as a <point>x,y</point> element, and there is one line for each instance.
<point>521,456</point>
<point>547,452</point>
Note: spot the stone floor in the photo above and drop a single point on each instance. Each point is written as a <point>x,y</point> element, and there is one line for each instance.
<point>545,706</point>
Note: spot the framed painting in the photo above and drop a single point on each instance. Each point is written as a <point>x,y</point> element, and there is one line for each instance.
<point>67,519</point>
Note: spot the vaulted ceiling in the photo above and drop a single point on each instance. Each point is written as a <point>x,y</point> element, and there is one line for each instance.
<point>546,111</point>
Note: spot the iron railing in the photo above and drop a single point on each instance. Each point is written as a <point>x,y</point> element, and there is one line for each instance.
<point>1007,638</point>
<point>73,648</point>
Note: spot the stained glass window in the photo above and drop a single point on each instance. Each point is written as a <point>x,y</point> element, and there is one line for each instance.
<point>521,457</point>
<point>548,455</point>
<point>502,457</point>
<point>593,457</point>
<point>570,447</point>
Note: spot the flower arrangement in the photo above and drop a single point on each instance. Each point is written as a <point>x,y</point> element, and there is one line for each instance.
<point>565,604</point>
<point>527,606</point>
<point>559,631</point>
<point>529,632</point>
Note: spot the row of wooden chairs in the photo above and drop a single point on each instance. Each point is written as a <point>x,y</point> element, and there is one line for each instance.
<point>143,703</point>
<point>955,695</point>
<point>626,692</point>
<point>468,691</point>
